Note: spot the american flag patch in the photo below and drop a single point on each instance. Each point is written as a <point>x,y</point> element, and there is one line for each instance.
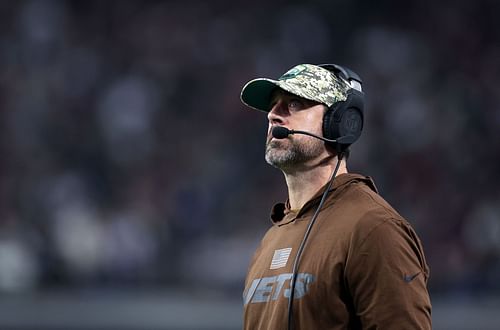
<point>280,258</point>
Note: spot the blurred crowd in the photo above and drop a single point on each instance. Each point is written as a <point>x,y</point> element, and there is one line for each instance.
<point>127,159</point>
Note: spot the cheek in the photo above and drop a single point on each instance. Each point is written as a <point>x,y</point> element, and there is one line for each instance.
<point>314,123</point>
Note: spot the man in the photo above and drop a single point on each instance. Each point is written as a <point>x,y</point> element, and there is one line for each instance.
<point>337,256</point>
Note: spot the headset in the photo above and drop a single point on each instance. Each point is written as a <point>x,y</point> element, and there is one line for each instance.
<point>345,118</point>
<point>342,122</point>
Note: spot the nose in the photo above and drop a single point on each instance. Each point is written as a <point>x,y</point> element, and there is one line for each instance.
<point>276,115</point>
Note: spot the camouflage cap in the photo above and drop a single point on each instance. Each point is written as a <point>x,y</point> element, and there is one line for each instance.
<point>308,81</point>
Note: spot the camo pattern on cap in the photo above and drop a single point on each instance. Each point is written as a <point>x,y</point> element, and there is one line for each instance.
<point>314,83</point>
<point>305,80</point>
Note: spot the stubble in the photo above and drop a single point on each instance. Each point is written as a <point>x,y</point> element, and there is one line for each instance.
<point>289,154</point>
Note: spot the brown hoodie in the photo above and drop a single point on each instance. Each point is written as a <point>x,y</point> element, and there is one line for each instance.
<point>363,266</point>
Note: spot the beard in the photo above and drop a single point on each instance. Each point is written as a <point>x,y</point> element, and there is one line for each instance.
<point>290,154</point>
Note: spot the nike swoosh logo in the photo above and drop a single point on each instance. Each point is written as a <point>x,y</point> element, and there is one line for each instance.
<point>409,278</point>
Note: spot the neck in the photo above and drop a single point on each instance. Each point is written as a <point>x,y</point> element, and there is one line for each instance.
<point>304,184</point>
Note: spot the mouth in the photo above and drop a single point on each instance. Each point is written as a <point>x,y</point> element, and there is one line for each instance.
<point>273,142</point>
<point>270,138</point>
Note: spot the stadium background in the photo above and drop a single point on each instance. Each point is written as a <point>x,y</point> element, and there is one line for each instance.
<point>133,188</point>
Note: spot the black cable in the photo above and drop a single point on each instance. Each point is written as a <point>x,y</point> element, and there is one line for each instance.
<point>303,243</point>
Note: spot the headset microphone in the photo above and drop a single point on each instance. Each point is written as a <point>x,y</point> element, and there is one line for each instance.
<point>281,132</point>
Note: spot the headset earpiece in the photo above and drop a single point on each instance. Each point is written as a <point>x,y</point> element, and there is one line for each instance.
<point>345,118</point>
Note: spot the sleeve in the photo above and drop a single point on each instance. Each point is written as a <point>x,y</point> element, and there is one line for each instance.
<point>386,274</point>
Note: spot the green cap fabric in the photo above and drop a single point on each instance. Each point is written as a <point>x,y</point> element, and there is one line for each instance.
<point>305,80</point>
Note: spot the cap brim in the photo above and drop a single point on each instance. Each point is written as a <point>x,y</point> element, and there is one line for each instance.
<point>257,93</point>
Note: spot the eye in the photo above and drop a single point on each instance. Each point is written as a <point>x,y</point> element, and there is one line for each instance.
<point>295,104</point>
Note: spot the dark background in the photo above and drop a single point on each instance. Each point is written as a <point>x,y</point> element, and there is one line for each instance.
<point>128,163</point>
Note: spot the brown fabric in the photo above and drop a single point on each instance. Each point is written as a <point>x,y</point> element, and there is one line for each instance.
<point>363,266</point>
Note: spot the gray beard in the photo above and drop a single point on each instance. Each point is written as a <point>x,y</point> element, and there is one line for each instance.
<point>292,157</point>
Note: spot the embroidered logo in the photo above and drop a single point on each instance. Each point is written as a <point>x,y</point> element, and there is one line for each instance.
<point>280,258</point>
<point>294,72</point>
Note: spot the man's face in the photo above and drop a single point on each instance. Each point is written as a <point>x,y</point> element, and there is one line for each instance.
<point>296,151</point>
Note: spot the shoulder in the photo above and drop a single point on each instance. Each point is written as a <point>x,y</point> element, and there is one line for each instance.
<point>369,201</point>
<point>362,208</point>
<point>367,217</point>
<point>379,230</point>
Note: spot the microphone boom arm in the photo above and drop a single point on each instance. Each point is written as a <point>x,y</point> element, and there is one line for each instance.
<point>313,135</point>
<point>281,132</point>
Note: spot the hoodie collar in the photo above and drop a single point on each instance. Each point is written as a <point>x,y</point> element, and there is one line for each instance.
<point>282,214</point>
